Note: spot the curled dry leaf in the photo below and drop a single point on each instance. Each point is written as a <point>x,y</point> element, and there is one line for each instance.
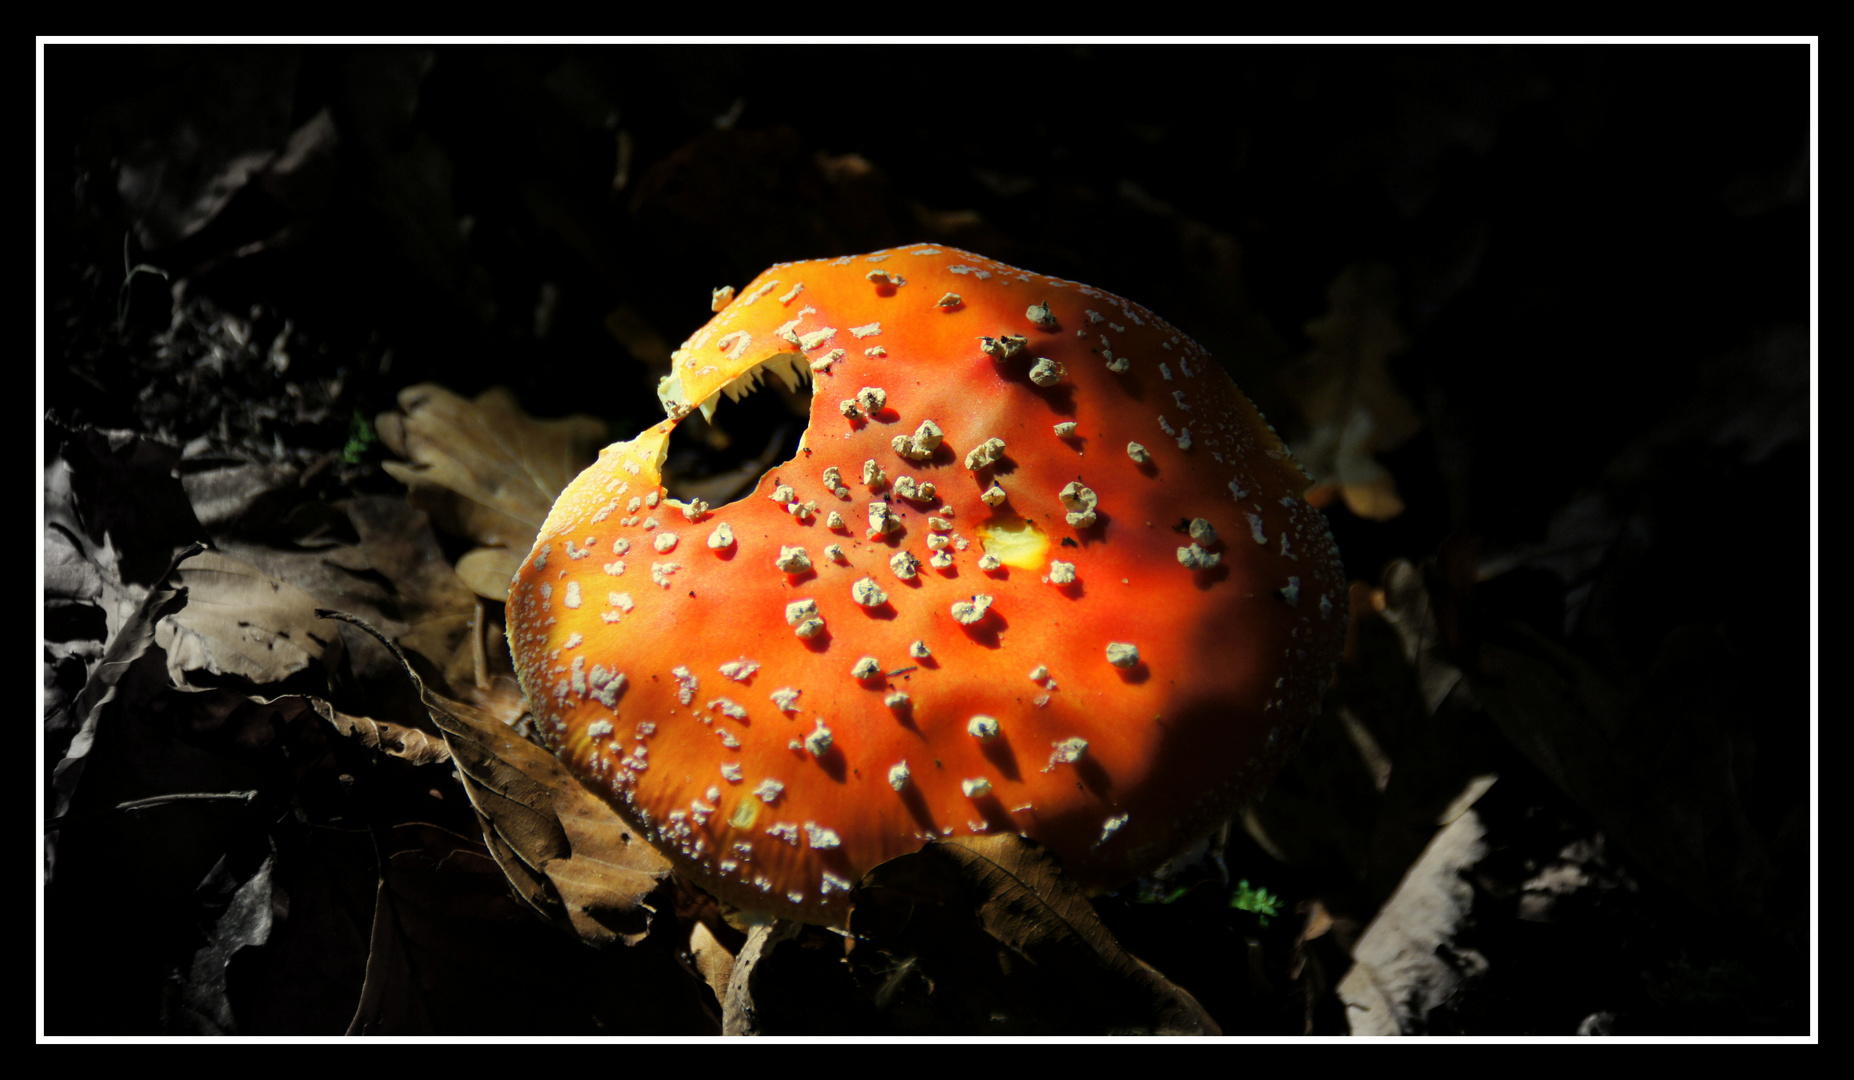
<point>116,526</point>
<point>739,1013</point>
<point>485,469</point>
<point>712,960</point>
<point>197,1003</point>
<point>393,740</point>
<point>984,934</point>
<point>1407,964</point>
<point>127,645</point>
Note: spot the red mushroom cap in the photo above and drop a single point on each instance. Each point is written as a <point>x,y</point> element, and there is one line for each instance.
<point>1038,566</point>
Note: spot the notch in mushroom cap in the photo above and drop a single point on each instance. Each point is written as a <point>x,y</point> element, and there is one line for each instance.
<point>1062,582</point>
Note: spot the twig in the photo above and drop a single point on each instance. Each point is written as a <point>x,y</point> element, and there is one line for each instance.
<point>154,800</point>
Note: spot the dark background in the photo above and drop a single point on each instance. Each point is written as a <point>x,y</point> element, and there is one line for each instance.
<point>1601,255</point>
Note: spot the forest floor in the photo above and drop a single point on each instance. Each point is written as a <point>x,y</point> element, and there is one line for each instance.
<point>1535,319</point>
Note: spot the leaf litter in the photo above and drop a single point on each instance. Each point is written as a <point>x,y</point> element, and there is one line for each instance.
<point>1610,795</point>
<point>967,936</point>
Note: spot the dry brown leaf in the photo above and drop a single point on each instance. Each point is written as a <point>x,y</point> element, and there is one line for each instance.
<point>739,1014</point>
<point>1344,389</point>
<point>393,740</point>
<point>374,557</point>
<point>488,571</point>
<point>568,855</point>
<point>240,621</point>
<point>599,869</point>
<point>1407,964</point>
<point>485,469</point>
<point>984,933</point>
<point>712,960</point>
<point>490,452</point>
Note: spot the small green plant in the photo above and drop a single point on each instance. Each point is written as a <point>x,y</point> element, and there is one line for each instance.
<point>1260,901</point>
<point>360,436</point>
<point>1153,891</point>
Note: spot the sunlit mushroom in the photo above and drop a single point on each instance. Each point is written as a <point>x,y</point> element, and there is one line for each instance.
<point>1088,499</point>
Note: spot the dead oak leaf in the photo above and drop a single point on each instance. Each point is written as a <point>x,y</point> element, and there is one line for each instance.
<point>485,470</point>
<point>375,557</point>
<point>566,853</point>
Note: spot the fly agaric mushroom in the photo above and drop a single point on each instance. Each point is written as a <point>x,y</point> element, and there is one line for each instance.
<point>1089,606</point>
